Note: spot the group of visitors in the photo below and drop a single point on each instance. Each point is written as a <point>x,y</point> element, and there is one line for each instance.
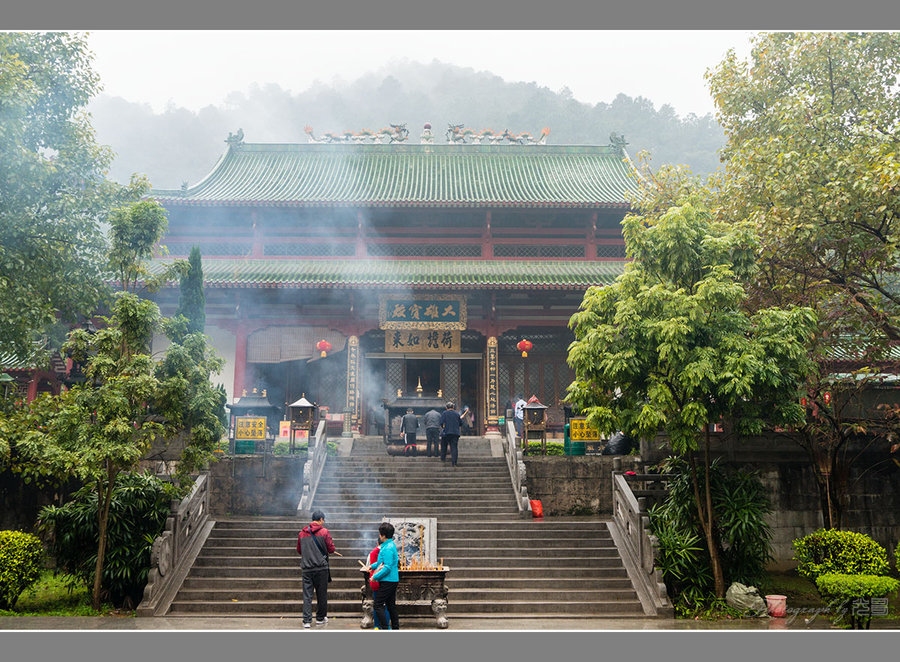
<point>314,544</point>
<point>445,426</point>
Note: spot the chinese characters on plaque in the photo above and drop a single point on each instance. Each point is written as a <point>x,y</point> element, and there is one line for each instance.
<point>353,376</point>
<point>438,312</point>
<point>422,340</point>
<point>493,378</point>
<point>250,427</point>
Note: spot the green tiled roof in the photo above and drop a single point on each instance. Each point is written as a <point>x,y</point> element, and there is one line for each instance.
<point>460,274</point>
<point>414,175</point>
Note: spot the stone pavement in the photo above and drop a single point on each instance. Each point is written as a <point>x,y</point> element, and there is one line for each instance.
<point>348,624</point>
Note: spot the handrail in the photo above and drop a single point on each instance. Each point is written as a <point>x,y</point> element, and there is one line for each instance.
<point>312,471</point>
<point>174,551</point>
<point>638,546</point>
<point>516,464</point>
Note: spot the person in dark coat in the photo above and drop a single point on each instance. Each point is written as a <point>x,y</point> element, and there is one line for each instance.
<point>450,425</point>
<point>432,431</point>
<point>314,544</point>
<point>409,426</point>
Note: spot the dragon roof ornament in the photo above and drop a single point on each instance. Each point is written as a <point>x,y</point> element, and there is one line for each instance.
<point>397,133</point>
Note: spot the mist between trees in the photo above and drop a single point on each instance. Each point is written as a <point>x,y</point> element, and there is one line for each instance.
<point>180,145</point>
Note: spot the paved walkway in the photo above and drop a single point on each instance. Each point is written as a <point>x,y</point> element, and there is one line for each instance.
<point>558,624</point>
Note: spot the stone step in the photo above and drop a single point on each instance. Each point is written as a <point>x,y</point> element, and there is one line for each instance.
<point>521,573</point>
<point>349,594</point>
<point>462,608</point>
<point>354,583</point>
<point>503,540</point>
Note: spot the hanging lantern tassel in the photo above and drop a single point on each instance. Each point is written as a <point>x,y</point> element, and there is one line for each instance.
<point>324,347</point>
<point>524,346</point>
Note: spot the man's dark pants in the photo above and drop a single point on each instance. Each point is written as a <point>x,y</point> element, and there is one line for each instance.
<point>451,440</point>
<point>410,438</point>
<point>386,597</point>
<point>432,435</point>
<point>315,580</point>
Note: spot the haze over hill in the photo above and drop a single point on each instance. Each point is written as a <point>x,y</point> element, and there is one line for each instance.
<point>180,145</point>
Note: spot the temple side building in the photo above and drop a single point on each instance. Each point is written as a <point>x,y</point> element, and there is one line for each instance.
<point>421,266</point>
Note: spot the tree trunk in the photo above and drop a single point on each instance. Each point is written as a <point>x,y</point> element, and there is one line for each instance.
<point>104,500</point>
<point>707,519</point>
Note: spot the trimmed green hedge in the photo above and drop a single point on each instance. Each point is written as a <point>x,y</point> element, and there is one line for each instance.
<point>300,447</point>
<point>853,594</point>
<point>828,551</point>
<point>553,448</point>
<point>20,565</point>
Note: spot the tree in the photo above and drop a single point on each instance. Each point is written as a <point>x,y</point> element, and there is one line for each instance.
<point>669,344</point>
<point>812,161</point>
<point>99,429</point>
<point>192,304</point>
<point>53,191</point>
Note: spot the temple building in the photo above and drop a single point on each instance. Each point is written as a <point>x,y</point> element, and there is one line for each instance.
<point>421,266</point>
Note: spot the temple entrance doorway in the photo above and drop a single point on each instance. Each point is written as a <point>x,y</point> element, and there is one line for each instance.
<point>426,370</point>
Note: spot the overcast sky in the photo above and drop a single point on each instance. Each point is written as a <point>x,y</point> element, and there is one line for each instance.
<point>194,69</point>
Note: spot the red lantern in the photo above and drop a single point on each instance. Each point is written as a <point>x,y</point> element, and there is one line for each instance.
<point>525,346</point>
<point>827,398</point>
<point>803,401</point>
<point>324,347</point>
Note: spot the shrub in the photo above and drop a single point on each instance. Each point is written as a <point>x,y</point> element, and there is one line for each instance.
<point>20,565</point>
<point>740,505</point>
<point>302,447</point>
<point>137,515</point>
<point>553,448</point>
<point>853,594</point>
<point>829,551</point>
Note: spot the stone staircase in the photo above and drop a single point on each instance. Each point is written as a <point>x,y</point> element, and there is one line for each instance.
<point>501,566</point>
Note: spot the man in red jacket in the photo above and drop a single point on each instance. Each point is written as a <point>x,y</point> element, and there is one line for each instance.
<point>314,544</point>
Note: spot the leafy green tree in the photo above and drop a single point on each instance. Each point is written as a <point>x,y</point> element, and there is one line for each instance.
<point>100,429</point>
<point>53,190</point>
<point>812,161</point>
<point>192,303</point>
<point>669,345</point>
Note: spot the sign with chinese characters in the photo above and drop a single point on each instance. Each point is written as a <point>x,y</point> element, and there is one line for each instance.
<point>250,427</point>
<point>579,430</point>
<point>422,341</point>
<point>493,379</point>
<point>438,311</point>
<point>353,376</point>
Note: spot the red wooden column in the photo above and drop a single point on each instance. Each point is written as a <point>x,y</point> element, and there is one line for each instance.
<point>240,359</point>
<point>487,241</point>
<point>360,235</point>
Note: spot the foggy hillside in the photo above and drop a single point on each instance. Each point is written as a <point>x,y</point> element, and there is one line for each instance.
<point>180,145</point>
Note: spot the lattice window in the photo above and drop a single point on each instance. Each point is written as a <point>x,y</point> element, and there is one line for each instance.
<point>451,380</point>
<point>519,380</point>
<point>394,375</point>
<point>538,251</point>
<point>310,250</point>
<point>548,385</point>
<point>504,384</point>
<point>209,249</point>
<point>545,342</point>
<point>424,250</point>
<point>611,250</point>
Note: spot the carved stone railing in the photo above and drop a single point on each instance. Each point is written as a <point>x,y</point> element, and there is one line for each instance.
<point>173,552</point>
<point>630,529</point>
<point>516,464</point>
<point>312,471</point>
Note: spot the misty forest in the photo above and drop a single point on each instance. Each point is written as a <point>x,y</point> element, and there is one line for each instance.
<point>179,145</point>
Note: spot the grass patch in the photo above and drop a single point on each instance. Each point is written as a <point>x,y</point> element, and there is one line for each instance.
<point>800,592</point>
<point>50,596</point>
